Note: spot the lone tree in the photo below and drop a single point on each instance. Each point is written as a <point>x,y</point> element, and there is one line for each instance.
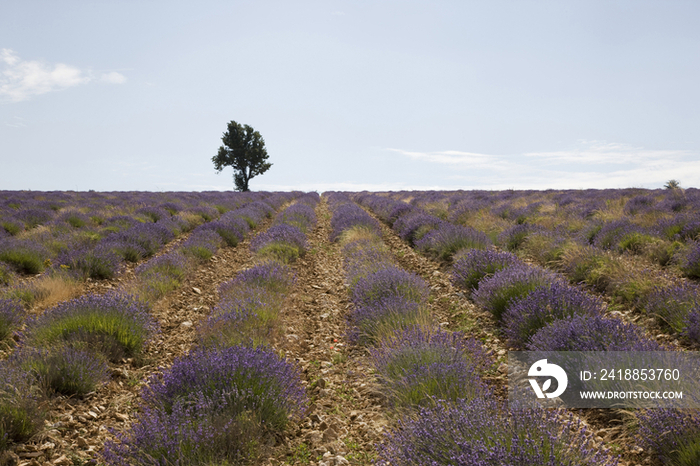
<point>244,150</point>
<point>673,184</point>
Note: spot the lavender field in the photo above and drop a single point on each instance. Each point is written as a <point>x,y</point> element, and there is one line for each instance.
<point>295,328</point>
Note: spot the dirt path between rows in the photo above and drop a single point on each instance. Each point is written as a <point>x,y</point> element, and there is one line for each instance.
<point>346,418</point>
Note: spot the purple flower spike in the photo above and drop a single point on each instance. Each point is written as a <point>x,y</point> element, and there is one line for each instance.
<point>544,305</point>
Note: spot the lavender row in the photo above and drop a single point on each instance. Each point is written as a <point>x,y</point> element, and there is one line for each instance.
<point>537,310</point>
<point>672,303</point>
<point>224,400</point>
<point>132,239</point>
<point>77,229</point>
<point>437,373</point>
<point>66,350</point>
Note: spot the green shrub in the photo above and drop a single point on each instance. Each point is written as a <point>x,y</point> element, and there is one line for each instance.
<point>284,252</point>
<point>24,259</point>
<point>63,369</point>
<point>116,325</point>
<point>20,413</point>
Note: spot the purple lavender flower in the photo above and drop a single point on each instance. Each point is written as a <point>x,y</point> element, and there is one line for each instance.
<point>11,226</point>
<point>481,431</point>
<point>691,331</point>
<point>6,274</point>
<point>270,275</point>
<point>526,316</point>
<point>386,283</point>
<point>690,260</point>
<point>75,219</point>
<point>398,210</point>
<point>512,238</point>
<point>20,414</point>
<point>418,366</point>
<point>498,292</point>
<point>207,212</point>
<point>639,204</point>
<point>63,369</point>
<point>284,242</point>
<point>173,264</point>
<point>350,215</point>
<point>298,215</point>
<point>445,240</point>
<point>25,256</point>
<point>149,236</point>
<point>171,207</point>
<point>34,217</point>
<point>116,324</point>
<point>100,262</point>
<point>118,223</point>
<point>362,257</point>
<point>204,409</point>
<point>231,227</point>
<point>691,229</point>
<point>370,323</point>
<point>591,333</point>
<point>244,321</point>
<point>672,305</point>
<point>153,214</point>
<point>672,435</point>
<point>252,215</point>
<point>11,316</point>
<point>202,244</point>
<point>474,265</point>
<point>612,233</point>
<point>416,225</point>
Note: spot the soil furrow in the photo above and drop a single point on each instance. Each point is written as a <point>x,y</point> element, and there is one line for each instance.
<point>345,418</point>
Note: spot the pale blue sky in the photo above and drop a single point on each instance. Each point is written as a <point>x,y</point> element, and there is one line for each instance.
<point>350,95</point>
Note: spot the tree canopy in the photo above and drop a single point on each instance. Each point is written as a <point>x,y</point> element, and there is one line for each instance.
<point>244,150</point>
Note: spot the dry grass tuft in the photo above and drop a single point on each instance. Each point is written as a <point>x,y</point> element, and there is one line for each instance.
<point>54,289</point>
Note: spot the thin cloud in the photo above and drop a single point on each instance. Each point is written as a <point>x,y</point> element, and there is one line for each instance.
<point>344,186</point>
<point>22,79</point>
<point>113,78</point>
<point>591,164</point>
<point>601,152</point>
<point>450,157</point>
<point>17,122</point>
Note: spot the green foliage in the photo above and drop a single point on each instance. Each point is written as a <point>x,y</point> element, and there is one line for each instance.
<point>636,242</point>
<point>543,249</point>
<point>244,151</point>
<point>25,260</point>
<point>117,326</point>
<point>28,294</point>
<point>6,276</point>
<point>153,287</point>
<point>663,252</point>
<point>200,253</point>
<point>631,287</point>
<point>75,221</point>
<point>11,228</point>
<point>20,414</point>
<point>64,370</point>
<point>283,252</point>
<point>590,266</point>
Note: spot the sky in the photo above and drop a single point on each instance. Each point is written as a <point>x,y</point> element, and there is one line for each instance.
<point>350,95</point>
